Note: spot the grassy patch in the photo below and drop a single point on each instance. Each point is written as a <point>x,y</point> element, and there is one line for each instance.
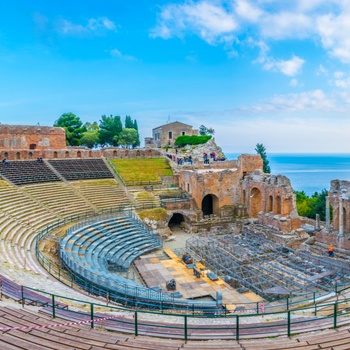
<point>110,182</point>
<point>153,214</point>
<point>148,169</point>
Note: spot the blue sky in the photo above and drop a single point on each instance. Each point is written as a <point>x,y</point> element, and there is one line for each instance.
<point>268,71</point>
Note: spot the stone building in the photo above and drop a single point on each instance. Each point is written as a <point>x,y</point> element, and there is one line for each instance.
<point>23,137</point>
<point>165,135</point>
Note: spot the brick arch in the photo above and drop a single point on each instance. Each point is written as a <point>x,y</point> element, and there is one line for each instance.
<point>255,202</point>
<point>210,204</point>
<point>278,205</point>
<point>269,204</point>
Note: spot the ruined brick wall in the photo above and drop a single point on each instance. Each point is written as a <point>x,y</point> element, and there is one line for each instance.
<point>250,162</point>
<point>222,185</point>
<point>271,199</point>
<point>339,199</point>
<point>78,152</point>
<point>17,138</point>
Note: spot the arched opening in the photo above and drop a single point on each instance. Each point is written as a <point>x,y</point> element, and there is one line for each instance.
<point>66,155</point>
<point>126,153</point>
<point>176,222</point>
<point>210,204</point>
<point>115,154</point>
<point>18,155</point>
<point>55,154</point>
<point>78,154</point>
<point>270,204</point>
<point>6,155</point>
<point>278,209</point>
<point>345,222</point>
<point>30,155</point>
<point>138,153</point>
<point>243,197</point>
<point>32,146</point>
<point>255,202</point>
<point>90,154</point>
<point>149,153</point>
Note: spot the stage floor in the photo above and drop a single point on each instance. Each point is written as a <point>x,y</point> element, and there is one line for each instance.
<point>156,272</point>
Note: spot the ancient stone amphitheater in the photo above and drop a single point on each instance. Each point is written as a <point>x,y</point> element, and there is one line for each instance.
<point>81,304</point>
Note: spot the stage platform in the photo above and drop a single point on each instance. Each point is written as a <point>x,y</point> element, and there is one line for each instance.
<point>156,272</point>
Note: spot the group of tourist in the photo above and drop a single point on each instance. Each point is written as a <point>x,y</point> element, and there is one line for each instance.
<point>180,160</point>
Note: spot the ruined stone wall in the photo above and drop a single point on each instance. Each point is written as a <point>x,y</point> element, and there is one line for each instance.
<point>339,200</point>
<point>16,138</point>
<point>250,162</point>
<point>78,152</point>
<point>271,199</point>
<point>222,185</point>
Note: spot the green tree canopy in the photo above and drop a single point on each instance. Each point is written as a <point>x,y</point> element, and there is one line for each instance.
<point>203,131</point>
<point>310,206</point>
<point>73,126</point>
<point>128,137</point>
<point>184,140</point>
<point>90,137</point>
<point>110,128</point>
<point>129,124</point>
<point>260,149</point>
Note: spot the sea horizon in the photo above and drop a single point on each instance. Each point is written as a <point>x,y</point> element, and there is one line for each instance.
<point>308,172</point>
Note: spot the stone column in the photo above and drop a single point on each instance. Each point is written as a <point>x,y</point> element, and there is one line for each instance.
<point>341,228</point>
<point>327,214</point>
<point>317,227</point>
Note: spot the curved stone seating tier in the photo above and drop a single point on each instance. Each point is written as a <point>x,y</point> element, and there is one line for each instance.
<point>60,198</point>
<point>27,171</point>
<point>111,239</point>
<point>80,336</point>
<point>90,249</point>
<point>104,194</point>
<point>21,219</point>
<point>145,199</point>
<point>82,169</point>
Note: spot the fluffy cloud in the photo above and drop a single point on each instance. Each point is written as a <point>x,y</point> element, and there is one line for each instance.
<point>209,21</point>
<point>288,67</point>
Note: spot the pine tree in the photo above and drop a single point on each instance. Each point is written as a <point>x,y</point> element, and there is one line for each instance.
<point>260,149</point>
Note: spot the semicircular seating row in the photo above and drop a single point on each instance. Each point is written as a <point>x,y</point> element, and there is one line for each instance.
<point>118,240</point>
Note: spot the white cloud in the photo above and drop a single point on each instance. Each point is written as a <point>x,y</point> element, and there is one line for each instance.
<point>289,67</point>
<point>93,25</point>
<point>247,10</point>
<point>334,32</point>
<point>117,53</point>
<point>209,21</point>
<point>282,25</point>
<point>311,100</point>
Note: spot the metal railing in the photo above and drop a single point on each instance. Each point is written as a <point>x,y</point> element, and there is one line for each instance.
<point>191,326</point>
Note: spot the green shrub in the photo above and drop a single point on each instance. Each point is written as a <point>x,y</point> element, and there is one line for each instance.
<point>184,140</point>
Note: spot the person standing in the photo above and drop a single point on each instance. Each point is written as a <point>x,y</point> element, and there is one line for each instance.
<point>330,251</point>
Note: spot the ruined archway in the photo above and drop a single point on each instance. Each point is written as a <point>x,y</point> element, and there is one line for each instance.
<point>270,204</point>
<point>176,222</point>
<point>210,204</point>
<point>278,208</point>
<point>255,202</point>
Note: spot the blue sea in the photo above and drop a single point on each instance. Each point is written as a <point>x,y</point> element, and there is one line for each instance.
<point>309,172</point>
